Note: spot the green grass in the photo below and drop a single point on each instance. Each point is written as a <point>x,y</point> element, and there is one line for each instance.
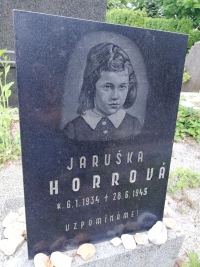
<point>9,141</point>
<point>187,124</point>
<point>181,179</point>
<point>193,260</point>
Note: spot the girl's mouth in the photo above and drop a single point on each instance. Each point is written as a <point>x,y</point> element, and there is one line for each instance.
<point>114,105</point>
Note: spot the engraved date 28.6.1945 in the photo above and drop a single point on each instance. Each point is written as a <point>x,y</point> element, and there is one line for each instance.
<point>94,200</point>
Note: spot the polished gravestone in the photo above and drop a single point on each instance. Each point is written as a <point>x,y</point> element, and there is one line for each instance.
<point>98,106</point>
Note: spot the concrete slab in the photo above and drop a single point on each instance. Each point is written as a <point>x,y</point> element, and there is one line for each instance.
<point>191,100</point>
<point>106,254</point>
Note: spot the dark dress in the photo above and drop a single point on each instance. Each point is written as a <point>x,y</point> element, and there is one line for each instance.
<point>79,130</point>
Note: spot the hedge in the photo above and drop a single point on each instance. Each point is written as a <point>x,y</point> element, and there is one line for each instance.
<point>126,17</point>
<point>194,37</point>
<point>171,25</point>
<point>139,19</point>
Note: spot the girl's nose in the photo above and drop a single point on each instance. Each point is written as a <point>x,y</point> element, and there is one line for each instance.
<point>114,94</point>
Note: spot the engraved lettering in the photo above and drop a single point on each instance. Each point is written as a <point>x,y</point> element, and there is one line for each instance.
<point>95,161</point>
<point>82,162</point>
<point>118,161</point>
<point>75,184</point>
<point>149,173</point>
<point>133,175</point>
<point>82,224</point>
<point>129,157</point>
<point>115,178</point>
<point>96,181</point>
<point>162,172</point>
<point>98,221</point>
<point>53,187</point>
<point>140,156</point>
<point>125,215</point>
<point>107,159</point>
<point>71,164</point>
<point>67,227</point>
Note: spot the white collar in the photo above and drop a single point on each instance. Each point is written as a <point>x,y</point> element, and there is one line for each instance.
<point>92,119</point>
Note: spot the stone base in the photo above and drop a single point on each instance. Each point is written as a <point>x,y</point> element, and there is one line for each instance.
<point>107,255</point>
<point>145,256</point>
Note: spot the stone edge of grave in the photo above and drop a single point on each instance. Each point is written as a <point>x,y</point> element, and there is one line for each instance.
<point>107,255</point>
<point>152,255</point>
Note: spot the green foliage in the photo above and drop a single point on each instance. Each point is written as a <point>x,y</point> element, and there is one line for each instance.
<point>161,24</point>
<point>182,179</point>
<point>175,9</point>
<point>193,260</point>
<point>184,25</point>
<point>133,4</point>
<point>187,124</point>
<point>126,17</point>
<point>194,36</point>
<point>139,18</point>
<point>153,8</point>
<point>138,4</point>
<point>171,25</point>
<point>182,9</point>
<point>186,76</point>
<point>116,4</point>
<point>9,142</point>
<point>170,8</point>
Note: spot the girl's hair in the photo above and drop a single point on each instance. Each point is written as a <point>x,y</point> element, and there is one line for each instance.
<point>105,57</point>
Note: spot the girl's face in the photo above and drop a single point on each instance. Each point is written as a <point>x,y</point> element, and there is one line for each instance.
<point>111,92</point>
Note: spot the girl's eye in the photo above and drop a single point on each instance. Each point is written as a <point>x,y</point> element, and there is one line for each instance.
<point>122,87</point>
<point>107,87</point>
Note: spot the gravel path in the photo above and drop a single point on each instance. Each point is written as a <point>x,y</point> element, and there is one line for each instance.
<point>11,183</point>
<point>184,208</point>
<point>186,155</point>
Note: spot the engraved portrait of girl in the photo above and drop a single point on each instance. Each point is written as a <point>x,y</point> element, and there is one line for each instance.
<point>109,88</point>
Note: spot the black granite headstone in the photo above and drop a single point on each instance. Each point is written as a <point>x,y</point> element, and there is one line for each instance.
<point>98,106</point>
